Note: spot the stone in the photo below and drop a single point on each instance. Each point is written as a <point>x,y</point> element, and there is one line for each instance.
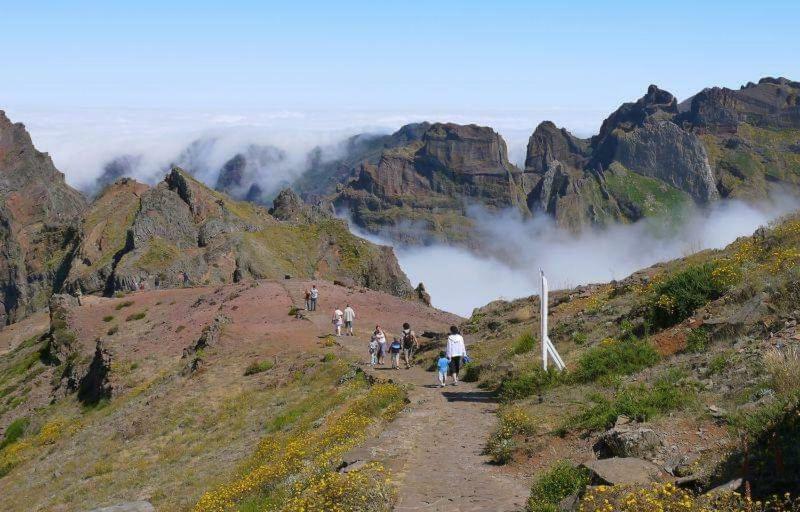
<point>623,470</point>
<point>628,440</point>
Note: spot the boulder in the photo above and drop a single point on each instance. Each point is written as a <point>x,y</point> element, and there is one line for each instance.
<point>624,470</point>
<point>628,440</point>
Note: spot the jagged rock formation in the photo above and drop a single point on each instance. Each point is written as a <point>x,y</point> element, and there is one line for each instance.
<point>37,212</point>
<point>240,175</point>
<point>180,231</point>
<point>421,190</point>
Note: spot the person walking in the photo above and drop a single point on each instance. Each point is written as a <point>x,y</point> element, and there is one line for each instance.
<point>373,351</point>
<point>443,364</point>
<point>314,293</point>
<point>308,300</point>
<point>338,321</point>
<point>394,350</point>
<point>410,344</point>
<point>380,338</point>
<point>455,352</point>
<point>349,318</point>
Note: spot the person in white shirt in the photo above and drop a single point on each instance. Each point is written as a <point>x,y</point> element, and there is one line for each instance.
<point>349,318</point>
<point>456,351</point>
<point>380,337</point>
<point>314,296</point>
<point>338,321</point>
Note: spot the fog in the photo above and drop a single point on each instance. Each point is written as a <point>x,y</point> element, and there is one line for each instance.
<point>459,280</point>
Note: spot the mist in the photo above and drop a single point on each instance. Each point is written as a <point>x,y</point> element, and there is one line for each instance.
<point>459,280</point>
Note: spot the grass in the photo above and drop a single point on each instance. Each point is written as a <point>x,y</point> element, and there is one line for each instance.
<point>783,368</point>
<point>523,344</point>
<point>14,432</point>
<point>612,358</point>
<point>638,402</point>
<point>136,316</point>
<point>677,297</point>
<point>124,304</point>
<point>697,340</point>
<point>558,482</point>
<point>108,318</point>
<point>526,384</point>
<point>719,363</point>
<point>512,421</point>
<point>114,329</point>
<point>259,367</point>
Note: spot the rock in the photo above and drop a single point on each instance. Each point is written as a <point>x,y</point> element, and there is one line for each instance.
<point>628,440</point>
<point>209,336</point>
<point>728,486</point>
<point>347,467</point>
<point>94,386</point>
<point>239,177</point>
<point>625,470</point>
<point>423,295</point>
<point>570,503</point>
<point>130,506</point>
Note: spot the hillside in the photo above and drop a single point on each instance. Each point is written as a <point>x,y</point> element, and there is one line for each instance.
<point>165,395</point>
<point>691,367</point>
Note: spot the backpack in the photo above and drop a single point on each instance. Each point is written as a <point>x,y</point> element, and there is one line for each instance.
<point>408,339</point>
<point>395,346</point>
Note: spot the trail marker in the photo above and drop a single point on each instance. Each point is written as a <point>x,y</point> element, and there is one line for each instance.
<point>548,349</point>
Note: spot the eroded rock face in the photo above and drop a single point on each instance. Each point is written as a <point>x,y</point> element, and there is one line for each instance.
<point>240,176</point>
<point>37,215</point>
<point>624,471</point>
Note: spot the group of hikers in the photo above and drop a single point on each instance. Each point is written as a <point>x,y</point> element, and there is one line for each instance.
<point>448,364</point>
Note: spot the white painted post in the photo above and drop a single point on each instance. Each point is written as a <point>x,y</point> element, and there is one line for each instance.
<point>547,346</point>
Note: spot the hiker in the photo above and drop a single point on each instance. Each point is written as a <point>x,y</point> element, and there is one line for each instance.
<point>349,318</point>
<point>186,281</point>
<point>338,321</point>
<point>443,364</point>
<point>410,344</point>
<point>455,352</point>
<point>308,300</point>
<point>373,351</point>
<point>79,296</point>
<point>314,293</point>
<point>394,349</point>
<point>380,338</point>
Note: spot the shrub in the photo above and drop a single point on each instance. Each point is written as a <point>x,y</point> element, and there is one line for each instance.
<point>676,298</point>
<point>113,330</point>
<point>14,432</point>
<point>523,344</point>
<point>555,484</point>
<point>136,316</point>
<point>108,318</point>
<point>530,383</point>
<point>612,358</point>
<point>512,421</point>
<point>697,340</point>
<point>472,372</point>
<point>179,328</point>
<point>719,363</point>
<point>125,304</point>
<point>783,368</point>
<point>580,338</point>
<point>329,356</point>
<point>259,367</point>
<point>293,311</point>
<point>637,402</point>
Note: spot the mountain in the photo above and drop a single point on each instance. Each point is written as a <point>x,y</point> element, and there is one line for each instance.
<point>240,176</point>
<point>652,157</point>
<point>38,211</point>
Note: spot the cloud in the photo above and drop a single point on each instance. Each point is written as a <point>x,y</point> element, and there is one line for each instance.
<point>459,280</point>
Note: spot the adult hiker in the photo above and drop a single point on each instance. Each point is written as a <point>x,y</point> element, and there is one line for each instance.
<point>349,318</point>
<point>455,352</point>
<point>337,320</point>
<point>394,350</point>
<point>373,351</point>
<point>410,344</point>
<point>314,295</point>
<point>380,338</point>
<point>308,300</point>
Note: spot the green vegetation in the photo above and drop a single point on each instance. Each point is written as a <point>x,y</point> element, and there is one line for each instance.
<point>124,304</point>
<point>719,363</point>
<point>678,296</point>
<point>160,254</point>
<point>136,316</point>
<point>651,197</point>
<point>638,402</point>
<point>529,383</point>
<point>612,358</point>
<point>293,311</point>
<point>14,431</point>
<point>259,367</point>
<point>697,340</point>
<point>524,344</point>
<point>108,318</point>
<point>328,357</point>
<point>472,372</point>
<point>558,482</point>
<point>513,421</point>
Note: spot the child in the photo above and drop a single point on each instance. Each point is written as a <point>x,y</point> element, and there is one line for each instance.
<point>373,351</point>
<point>394,349</point>
<point>443,364</point>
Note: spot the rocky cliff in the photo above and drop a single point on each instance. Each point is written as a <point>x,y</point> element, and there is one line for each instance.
<point>37,212</point>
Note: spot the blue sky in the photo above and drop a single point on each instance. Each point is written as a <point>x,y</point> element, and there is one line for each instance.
<point>502,56</point>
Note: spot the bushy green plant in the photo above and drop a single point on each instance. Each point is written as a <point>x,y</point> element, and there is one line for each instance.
<point>559,481</point>
<point>580,338</point>
<point>329,356</point>
<point>16,429</point>
<point>259,367</point>
<point>638,402</point>
<point>108,318</point>
<point>529,383</point>
<point>697,340</point>
<point>472,372</point>
<point>136,316</point>
<point>513,420</point>
<point>614,358</point>
<point>677,297</point>
<point>523,344</point>
<point>124,304</point>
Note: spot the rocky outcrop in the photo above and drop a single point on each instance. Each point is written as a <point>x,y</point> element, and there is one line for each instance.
<point>624,471</point>
<point>37,212</point>
<point>240,176</point>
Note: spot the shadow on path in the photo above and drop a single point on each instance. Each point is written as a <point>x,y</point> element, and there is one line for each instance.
<point>469,396</point>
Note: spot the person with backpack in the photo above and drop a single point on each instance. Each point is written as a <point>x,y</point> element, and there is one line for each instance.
<point>410,344</point>
<point>394,350</point>
<point>380,338</point>
<point>456,351</point>
<point>349,318</point>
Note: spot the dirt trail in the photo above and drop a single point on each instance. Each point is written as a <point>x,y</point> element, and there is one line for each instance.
<point>434,448</point>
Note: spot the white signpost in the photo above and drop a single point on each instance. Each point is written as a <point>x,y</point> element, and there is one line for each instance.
<point>548,349</point>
